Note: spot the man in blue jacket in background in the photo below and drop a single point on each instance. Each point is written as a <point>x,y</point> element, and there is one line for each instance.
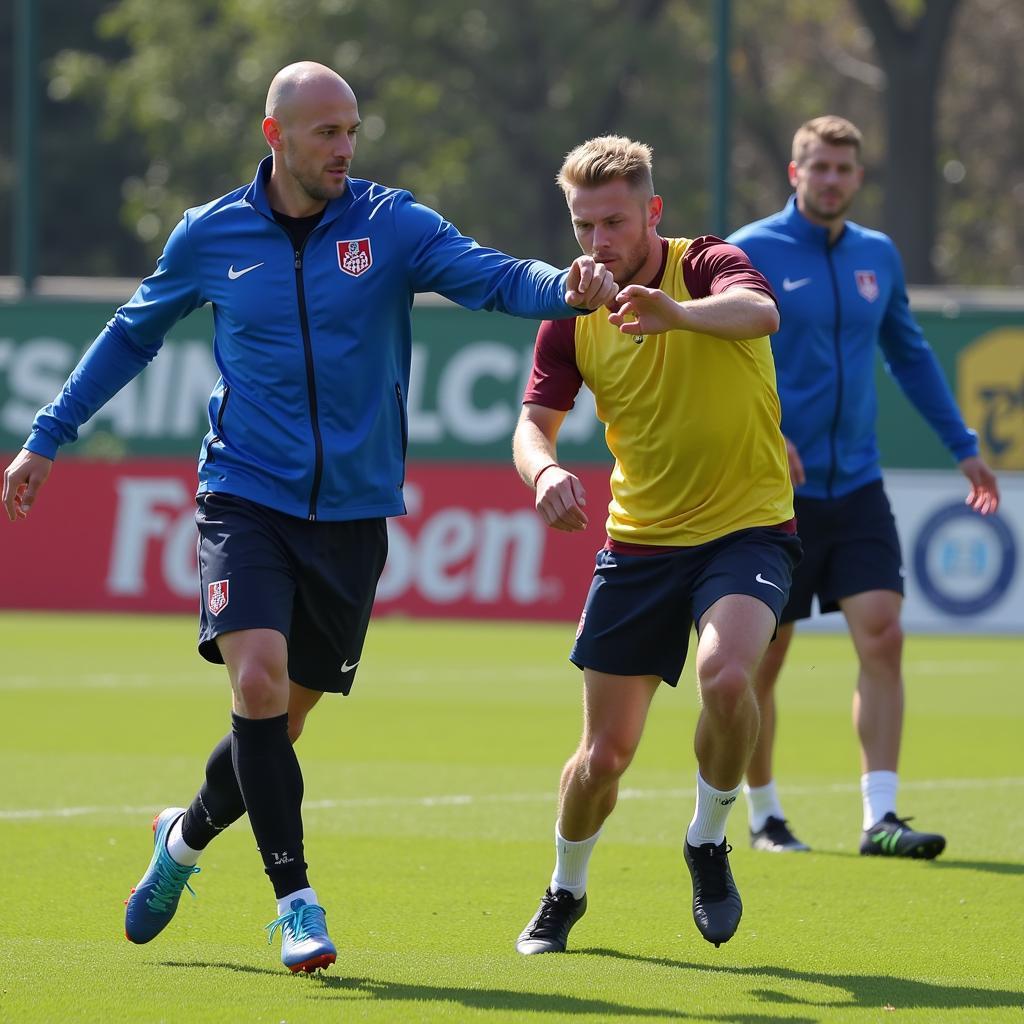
<point>311,275</point>
<point>841,291</point>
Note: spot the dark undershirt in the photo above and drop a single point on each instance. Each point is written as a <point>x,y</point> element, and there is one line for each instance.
<point>298,228</point>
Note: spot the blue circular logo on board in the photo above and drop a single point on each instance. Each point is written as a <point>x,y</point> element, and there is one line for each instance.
<point>964,562</point>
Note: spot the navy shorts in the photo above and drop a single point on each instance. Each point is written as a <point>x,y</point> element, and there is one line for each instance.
<point>637,618</point>
<point>850,546</point>
<point>314,582</point>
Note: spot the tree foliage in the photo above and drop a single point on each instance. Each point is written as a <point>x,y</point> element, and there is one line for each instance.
<point>79,176</point>
<point>473,103</point>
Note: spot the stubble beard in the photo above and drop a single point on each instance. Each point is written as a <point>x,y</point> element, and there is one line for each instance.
<point>314,187</point>
<point>829,216</point>
<point>319,192</point>
<point>636,257</point>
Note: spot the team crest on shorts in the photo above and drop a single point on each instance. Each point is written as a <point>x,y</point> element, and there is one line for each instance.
<point>579,628</point>
<point>217,596</point>
<point>354,256</point>
<point>867,284</point>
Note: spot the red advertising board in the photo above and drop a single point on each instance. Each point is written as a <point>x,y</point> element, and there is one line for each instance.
<point>121,537</point>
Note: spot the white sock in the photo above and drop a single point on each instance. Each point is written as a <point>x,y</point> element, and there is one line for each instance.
<point>762,804</point>
<point>307,895</point>
<point>571,863</point>
<point>879,792</point>
<point>713,807</point>
<point>180,851</point>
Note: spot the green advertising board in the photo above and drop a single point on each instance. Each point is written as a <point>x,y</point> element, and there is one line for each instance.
<point>981,351</point>
<point>468,374</point>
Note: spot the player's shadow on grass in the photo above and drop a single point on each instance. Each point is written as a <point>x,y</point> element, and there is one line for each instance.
<point>239,968</point>
<point>533,1002</point>
<point>865,990</point>
<point>328,986</point>
<point>995,867</point>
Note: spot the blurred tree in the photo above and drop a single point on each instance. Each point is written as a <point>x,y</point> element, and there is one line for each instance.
<point>7,167</point>
<point>912,50</point>
<point>934,85</point>
<point>472,104</point>
<point>981,151</point>
<point>80,174</point>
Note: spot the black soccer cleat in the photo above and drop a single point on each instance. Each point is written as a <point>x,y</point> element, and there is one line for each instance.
<point>890,837</point>
<point>717,907</point>
<point>548,929</point>
<point>776,837</point>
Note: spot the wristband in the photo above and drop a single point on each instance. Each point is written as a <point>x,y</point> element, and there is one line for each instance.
<point>544,469</point>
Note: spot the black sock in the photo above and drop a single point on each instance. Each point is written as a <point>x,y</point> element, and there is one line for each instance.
<point>270,781</point>
<point>219,800</point>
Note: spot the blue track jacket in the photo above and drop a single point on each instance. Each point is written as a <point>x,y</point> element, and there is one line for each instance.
<point>309,414</point>
<point>836,302</point>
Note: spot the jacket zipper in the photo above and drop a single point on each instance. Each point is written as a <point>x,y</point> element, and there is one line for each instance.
<point>404,428</point>
<point>218,429</point>
<point>307,345</point>
<point>836,331</point>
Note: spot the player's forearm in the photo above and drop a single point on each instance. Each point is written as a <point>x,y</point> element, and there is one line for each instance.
<point>924,384</point>
<point>735,315</point>
<point>110,363</point>
<point>532,450</point>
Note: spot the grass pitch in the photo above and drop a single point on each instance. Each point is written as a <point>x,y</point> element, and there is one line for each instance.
<point>429,816</point>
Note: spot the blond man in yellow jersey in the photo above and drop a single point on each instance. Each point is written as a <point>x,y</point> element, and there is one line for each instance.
<point>700,525</point>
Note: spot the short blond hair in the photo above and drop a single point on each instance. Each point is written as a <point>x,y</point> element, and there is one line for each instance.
<point>608,158</point>
<point>831,129</point>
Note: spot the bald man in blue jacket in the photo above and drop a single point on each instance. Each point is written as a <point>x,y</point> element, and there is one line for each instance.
<point>311,274</point>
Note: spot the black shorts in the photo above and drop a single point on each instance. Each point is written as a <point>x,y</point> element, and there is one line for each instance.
<point>850,546</point>
<point>314,582</point>
<point>638,613</point>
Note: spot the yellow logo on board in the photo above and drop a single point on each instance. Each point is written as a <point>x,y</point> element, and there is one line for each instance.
<point>990,390</point>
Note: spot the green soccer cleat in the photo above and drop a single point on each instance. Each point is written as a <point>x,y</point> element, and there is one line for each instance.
<point>890,837</point>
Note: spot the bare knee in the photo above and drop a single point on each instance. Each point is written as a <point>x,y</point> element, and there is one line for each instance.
<point>259,691</point>
<point>725,684</point>
<point>606,758</point>
<point>881,643</point>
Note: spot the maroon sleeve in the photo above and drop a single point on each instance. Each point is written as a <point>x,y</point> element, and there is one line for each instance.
<point>711,266</point>
<point>555,379</point>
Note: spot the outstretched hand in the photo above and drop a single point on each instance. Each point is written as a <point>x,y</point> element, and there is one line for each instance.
<point>590,284</point>
<point>22,480</point>
<point>645,311</point>
<point>984,494</point>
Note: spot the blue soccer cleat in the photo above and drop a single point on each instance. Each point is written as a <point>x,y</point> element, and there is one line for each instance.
<point>154,900</point>
<point>305,944</point>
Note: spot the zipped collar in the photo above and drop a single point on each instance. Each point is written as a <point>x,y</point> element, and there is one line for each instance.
<point>256,195</point>
<point>802,229</point>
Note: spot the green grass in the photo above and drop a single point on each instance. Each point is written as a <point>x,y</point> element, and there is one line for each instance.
<point>429,812</point>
